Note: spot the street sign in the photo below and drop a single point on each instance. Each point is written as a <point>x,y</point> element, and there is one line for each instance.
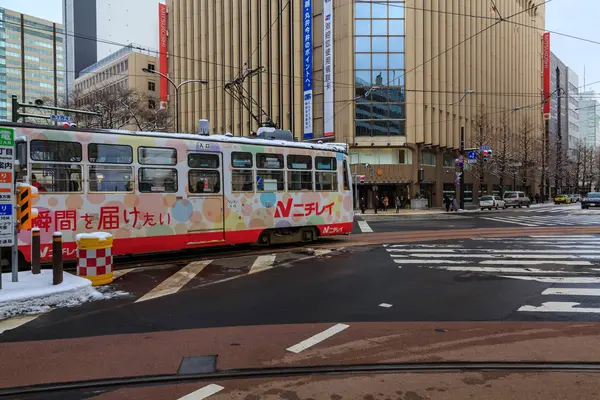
<point>472,155</point>
<point>7,170</point>
<point>482,148</point>
<point>472,161</point>
<point>60,118</point>
<point>361,179</point>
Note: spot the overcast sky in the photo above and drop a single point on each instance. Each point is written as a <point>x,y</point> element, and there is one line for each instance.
<point>573,17</point>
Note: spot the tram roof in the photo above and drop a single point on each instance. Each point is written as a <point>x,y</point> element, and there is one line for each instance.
<point>337,147</point>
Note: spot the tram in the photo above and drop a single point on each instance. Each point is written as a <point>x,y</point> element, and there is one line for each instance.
<point>161,192</point>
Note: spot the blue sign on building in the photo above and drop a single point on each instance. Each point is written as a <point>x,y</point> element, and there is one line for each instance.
<point>472,155</point>
<point>5,209</point>
<point>308,68</point>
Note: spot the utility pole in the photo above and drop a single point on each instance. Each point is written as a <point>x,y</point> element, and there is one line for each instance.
<point>558,172</point>
<point>544,155</point>
<point>462,169</point>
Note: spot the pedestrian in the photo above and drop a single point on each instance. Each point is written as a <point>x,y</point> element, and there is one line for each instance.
<point>398,204</point>
<point>386,203</point>
<point>537,198</point>
<point>363,206</point>
<point>454,205</point>
<point>447,202</point>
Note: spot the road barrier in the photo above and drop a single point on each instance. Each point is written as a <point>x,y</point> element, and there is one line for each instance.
<point>57,259</point>
<point>94,257</point>
<point>35,251</point>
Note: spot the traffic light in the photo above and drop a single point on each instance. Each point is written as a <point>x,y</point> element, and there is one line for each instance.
<point>25,213</point>
<point>486,155</point>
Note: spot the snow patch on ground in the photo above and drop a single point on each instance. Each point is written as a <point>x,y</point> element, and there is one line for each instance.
<point>35,294</point>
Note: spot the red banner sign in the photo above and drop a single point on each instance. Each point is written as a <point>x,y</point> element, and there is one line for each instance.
<point>547,73</point>
<point>162,48</point>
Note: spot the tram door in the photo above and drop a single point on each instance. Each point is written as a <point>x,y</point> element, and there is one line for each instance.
<point>205,187</point>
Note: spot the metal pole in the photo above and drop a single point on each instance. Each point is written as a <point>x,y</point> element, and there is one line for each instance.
<point>462,169</point>
<point>57,263</point>
<point>177,109</point>
<point>544,155</point>
<point>35,251</point>
<point>15,246</point>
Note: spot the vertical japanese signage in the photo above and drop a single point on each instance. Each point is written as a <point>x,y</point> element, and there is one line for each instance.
<point>546,73</point>
<point>328,127</point>
<point>162,48</point>
<point>308,69</point>
<point>7,145</point>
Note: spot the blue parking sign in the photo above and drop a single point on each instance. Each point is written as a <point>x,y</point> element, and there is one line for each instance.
<point>472,155</point>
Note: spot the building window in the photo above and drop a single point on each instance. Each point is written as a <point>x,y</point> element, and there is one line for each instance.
<point>449,160</point>
<point>428,158</point>
<point>151,86</point>
<point>151,104</point>
<point>151,67</point>
<point>379,61</point>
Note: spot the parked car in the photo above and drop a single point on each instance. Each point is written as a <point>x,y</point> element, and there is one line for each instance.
<point>516,199</point>
<point>574,198</point>
<point>562,199</point>
<point>591,200</point>
<point>490,202</point>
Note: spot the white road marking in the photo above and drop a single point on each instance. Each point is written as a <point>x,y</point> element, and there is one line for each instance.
<point>557,306</point>
<point>562,236</point>
<point>203,393</point>
<point>507,270</point>
<point>531,262</point>
<point>120,272</point>
<point>364,227</point>
<point>427,246</point>
<point>262,263</point>
<point>318,338</point>
<point>385,305</point>
<point>520,256</point>
<point>503,220</point>
<point>15,322</point>
<point>556,279</point>
<point>572,292</point>
<point>176,281</point>
<point>322,252</point>
<point>422,250</point>
<point>508,251</point>
<point>425,262</point>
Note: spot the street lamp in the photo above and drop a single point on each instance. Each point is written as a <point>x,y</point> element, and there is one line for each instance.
<point>177,87</point>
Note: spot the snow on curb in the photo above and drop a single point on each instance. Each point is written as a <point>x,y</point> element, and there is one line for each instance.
<point>34,294</point>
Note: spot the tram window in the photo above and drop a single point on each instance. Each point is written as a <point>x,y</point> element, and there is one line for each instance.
<point>105,178</point>
<point>242,181</point>
<point>157,156</point>
<point>269,161</point>
<point>300,180</point>
<point>326,181</point>
<point>269,181</point>
<point>56,177</point>
<point>346,180</point>
<point>299,162</point>
<point>241,160</point>
<point>202,181</point>
<point>325,163</point>
<point>157,180</point>
<point>203,161</point>
<point>110,153</point>
<point>51,150</point>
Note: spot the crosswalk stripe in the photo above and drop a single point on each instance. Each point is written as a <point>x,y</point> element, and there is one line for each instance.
<point>262,263</point>
<point>519,256</point>
<point>120,272</point>
<point>415,261</point>
<point>505,270</point>
<point>571,292</point>
<point>556,279</point>
<point>364,227</point>
<point>531,262</point>
<point>509,222</point>
<point>16,322</point>
<point>562,236</point>
<point>553,306</point>
<point>203,392</point>
<point>176,281</point>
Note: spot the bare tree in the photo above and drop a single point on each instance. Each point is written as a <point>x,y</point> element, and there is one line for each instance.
<point>504,156</point>
<point>528,154</point>
<point>120,108</point>
<point>482,136</point>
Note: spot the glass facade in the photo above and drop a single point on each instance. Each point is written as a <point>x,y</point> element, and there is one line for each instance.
<point>379,68</point>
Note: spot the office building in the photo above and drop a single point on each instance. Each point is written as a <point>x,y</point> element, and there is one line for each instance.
<point>589,118</point>
<point>389,78</point>
<point>98,28</point>
<point>31,60</point>
<point>573,117</point>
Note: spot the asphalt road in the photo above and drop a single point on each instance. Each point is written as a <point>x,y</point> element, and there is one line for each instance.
<point>533,279</point>
<point>549,215</point>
